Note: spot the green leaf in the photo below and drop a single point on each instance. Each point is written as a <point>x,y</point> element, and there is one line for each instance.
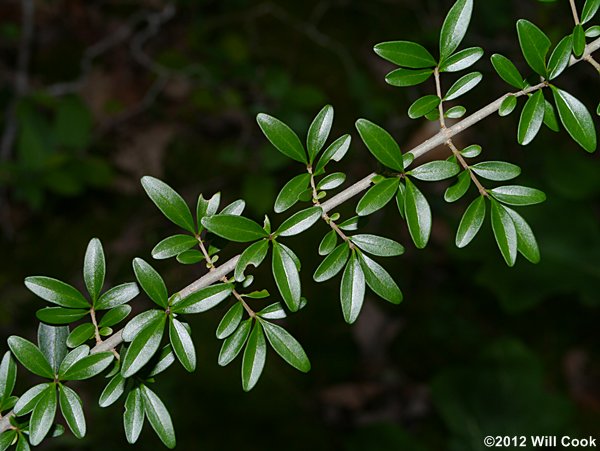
<point>23,444</point>
<point>7,438</point>
<point>73,357</point>
<point>550,117</point>
<point>331,181</point>
<point>463,85</point>
<point>418,215</point>
<point>8,375</point>
<point>206,207</point>
<point>526,242</point>
<point>72,410</point>
<point>260,294</point>
<point>407,77</point>
<point>252,255</point>
<point>80,335</point>
<point>94,268</point>
<point>590,8</point>
<point>234,343</point>
<point>299,222</point>
<point>113,391</point>
<point>182,343</point>
<point>508,105</point>
<point>121,294</point>
<point>234,228</point>
<point>151,282</point>
<point>55,291</point>
<point>133,417</point>
<point>332,264</point>
<point>328,243</point>
<point>254,358</point>
<point>381,144</point>
<point>30,398</point>
<point>52,343</point>
<point>230,321</point>
<point>273,311</point>
<point>576,119</point>
<point>531,119</point>
<point>507,71</point>
<point>422,106</point>
<point>499,171</point>
<point>88,366</point>
<point>454,27</point>
<point>143,347</point>
<point>115,316</point>
<point>578,40</point>
<point>162,360</point>
<point>435,170</point>
<point>352,289</point>
<point>335,152</point>
<point>559,59</point>
<point>42,416</point>
<point>593,31</point>
<point>470,222</point>
<point>173,245</point>
<point>377,245</point>
<point>379,280</point>
<point>350,224</point>
<point>203,299</point>
<point>169,202</point>
<point>282,137</point>
<point>159,417</point>
<point>318,132</point>
<point>138,322</point>
<point>30,356</point>
<point>190,257</point>
<point>377,196</point>
<point>456,112</point>
<point>405,54</point>
<point>518,195</point>
<point>286,276</point>
<point>461,60</point>
<point>459,189</point>
<point>534,45</point>
<point>288,196</point>
<point>471,151</point>
<point>234,208</point>
<point>60,315</point>
<point>504,232</point>
<point>286,346</point>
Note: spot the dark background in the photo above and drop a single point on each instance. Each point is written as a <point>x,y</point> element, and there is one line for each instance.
<point>475,349</point>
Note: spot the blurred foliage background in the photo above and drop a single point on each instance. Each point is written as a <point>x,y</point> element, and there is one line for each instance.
<point>98,93</point>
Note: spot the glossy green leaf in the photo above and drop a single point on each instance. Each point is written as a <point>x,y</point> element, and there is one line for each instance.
<point>259,294</point>
<point>534,45</point>
<point>230,321</point>
<point>115,316</point>
<point>30,398</point>
<point>88,366</point>
<point>576,119</point>
<point>23,444</point>
<point>318,132</point>
<point>60,315</point>
<point>182,343</point>
<point>190,257</point>
<point>8,375</point>
<point>73,357</point>
<point>578,40</point>
<point>526,242</point>
<point>508,105</point>
<point>299,222</point>
<point>94,268</point>
<point>381,144</point>
<point>288,196</point>
<point>206,207</point>
<point>454,27</point>
<point>379,280</point>
<point>234,228</point>
<point>350,224</point>
<point>471,151</point>
<point>55,291</point>
<point>72,410</point>
<point>42,416</point>
<point>507,71</point>
<point>459,189</point>
<point>496,170</point>
<point>173,245</point>
<point>273,311</point>
<point>377,196</point>
<point>80,335</point>
<point>422,106</point>
<point>407,77</point>
<point>331,181</point>
<point>52,343</point>
<point>470,222</point>
<point>531,119</point>
<point>234,343</point>
<point>234,208</point>
<point>138,322</point>
<point>405,54</point>
<point>143,347</point>
<point>113,391</point>
<point>559,59</point>
<point>504,232</point>
<point>335,151</point>
<point>162,360</point>
<point>435,170</point>
<point>456,112</point>
<point>518,195</point>
<point>332,264</point>
<point>133,417</point>
<point>252,255</point>
<point>593,31</point>
<point>418,215</point>
<point>550,117</point>
<point>151,282</point>
<point>254,358</point>
<point>30,356</point>
<point>328,243</point>
<point>169,202</point>
<point>282,137</point>
<point>463,85</point>
<point>461,60</point>
<point>203,299</point>
<point>286,276</point>
<point>7,438</point>
<point>352,289</point>
<point>121,294</point>
<point>377,245</point>
<point>590,8</point>
<point>286,346</point>
<point>158,417</point>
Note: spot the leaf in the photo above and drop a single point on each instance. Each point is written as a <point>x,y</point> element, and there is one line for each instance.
<point>470,222</point>
<point>550,117</point>
<point>381,144</point>
<point>507,71</point>
<point>190,257</point>
<point>42,416</point>
<point>459,189</point>
<point>254,358</point>
<point>133,417</point>
<point>182,343</point>
<point>352,289</point>
<point>496,170</point>
<point>151,282</point>
<point>454,27</point>
<point>418,215</point>
<point>30,398</point>
<point>30,356</point>
<point>87,367</point>
<point>518,195</point>
<point>463,85</point>
<point>435,170</point>
<point>328,243</point>
<point>159,417</point>
<point>138,322</point>
<point>73,357</point>
<point>559,59</point>
<point>593,31</point>
<point>94,268</point>
<point>206,207</point>
<point>52,343</point>
<point>252,255</point>
<point>332,264</point>
<point>335,151</point>
<point>377,245</point>
<point>286,346</point>
<point>7,438</point>
<point>288,196</point>
<point>405,54</point>
<point>143,346</point>
<point>113,391</point>
<point>534,45</point>
<point>234,228</point>
<point>471,151</point>
<point>350,224</point>
<point>115,316</point>
<point>377,196</point>
<point>331,181</point>
<point>234,208</point>
<point>508,105</point>
<point>576,119</point>
<point>379,280</point>
<point>286,277</point>
<point>162,360</point>
<point>72,410</point>
<point>590,8</point>
<point>8,376</point>
<point>318,132</point>
<point>422,106</point>
<point>121,294</point>
<point>203,299</point>
<point>407,77</point>
<point>23,444</point>
<point>578,40</point>
<point>282,137</point>
<point>299,222</point>
<point>234,343</point>
<point>60,315</point>
<point>461,60</point>
<point>456,112</point>
<point>260,294</point>
<point>504,232</point>
<point>169,202</point>
<point>230,321</point>
<point>532,117</point>
<point>55,291</point>
<point>80,335</point>
<point>273,311</point>
<point>526,242</point>
<point>173,245</point>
